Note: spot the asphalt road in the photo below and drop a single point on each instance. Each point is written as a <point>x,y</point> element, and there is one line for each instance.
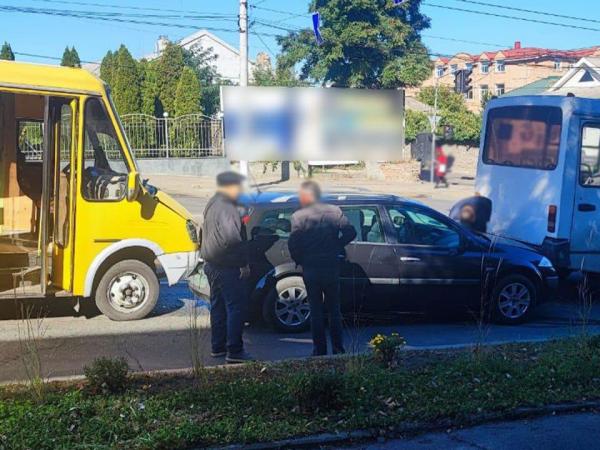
<point>68,340</point>
<point>570,432</point>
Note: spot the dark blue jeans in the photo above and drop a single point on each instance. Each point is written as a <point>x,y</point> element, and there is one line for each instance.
<point>323,289</point>
<point>228,299</point>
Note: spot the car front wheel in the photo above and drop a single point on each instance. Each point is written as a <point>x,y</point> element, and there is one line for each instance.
<point>513,300</point>
<point>127,291</point>
<point>286,307</point>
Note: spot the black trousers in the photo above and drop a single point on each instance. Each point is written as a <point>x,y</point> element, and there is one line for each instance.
<point>323,289</point>
<point>228,299</point>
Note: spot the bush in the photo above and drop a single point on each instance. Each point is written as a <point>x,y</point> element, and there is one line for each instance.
<point>107,375</point>
<point>318,391</point>
<point>387,348</point>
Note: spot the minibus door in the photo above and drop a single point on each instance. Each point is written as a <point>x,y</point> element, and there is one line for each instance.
<point>585,231</point>
<point>64,114</point>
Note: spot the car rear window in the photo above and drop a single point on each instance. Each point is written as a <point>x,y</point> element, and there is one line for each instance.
<point>523,136</point>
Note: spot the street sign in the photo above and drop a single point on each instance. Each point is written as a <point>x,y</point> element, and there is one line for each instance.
<point>316,20</point>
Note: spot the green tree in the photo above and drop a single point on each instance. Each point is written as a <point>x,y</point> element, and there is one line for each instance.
<point>367,44</point>
<point>76,61</point>
<point>6,52</point>
<point>107,67</point>
<point>149,91</point>
<point>188,94</point>
<point>66,58</point>
<point>416,122</point>
<point>453,111</point>
<point>126,87</point>
<point>70,58</point>
<point>169,67</point>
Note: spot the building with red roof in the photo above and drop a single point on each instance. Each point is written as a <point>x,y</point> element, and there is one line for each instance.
<point>500,71</point>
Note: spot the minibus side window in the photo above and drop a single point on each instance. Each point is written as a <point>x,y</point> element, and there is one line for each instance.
<point>104,165</point>
<point>589,171</point>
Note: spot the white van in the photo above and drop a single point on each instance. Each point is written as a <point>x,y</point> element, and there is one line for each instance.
<point>540,165</point>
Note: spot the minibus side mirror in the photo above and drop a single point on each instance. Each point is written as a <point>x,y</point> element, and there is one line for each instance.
<point>133,186</point>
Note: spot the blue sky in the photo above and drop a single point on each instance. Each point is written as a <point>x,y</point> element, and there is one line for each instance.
<point>48,35</point>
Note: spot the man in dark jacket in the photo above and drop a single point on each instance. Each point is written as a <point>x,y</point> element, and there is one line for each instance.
<point>224,250</point>
<point>319,234</point>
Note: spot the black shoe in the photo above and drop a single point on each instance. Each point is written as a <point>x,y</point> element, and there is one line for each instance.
<point>218,354</point>
<point>239,358</point>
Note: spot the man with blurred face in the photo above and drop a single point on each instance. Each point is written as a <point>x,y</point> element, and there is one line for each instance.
<point>319,234</point>
<point>224,251</point>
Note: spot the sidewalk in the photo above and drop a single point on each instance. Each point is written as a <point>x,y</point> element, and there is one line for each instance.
<point>204,186</point>
<point>568,432</point>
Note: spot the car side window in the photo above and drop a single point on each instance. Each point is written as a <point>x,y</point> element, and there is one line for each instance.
<point>367,223</point>
<point>420,227</point>
<point>589,171</point>
<point>276,222</point>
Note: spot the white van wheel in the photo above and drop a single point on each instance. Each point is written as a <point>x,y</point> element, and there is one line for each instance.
<point>127,291</point>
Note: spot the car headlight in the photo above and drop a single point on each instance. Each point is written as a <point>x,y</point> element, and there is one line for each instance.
<point>192,231</point>
<point>545,263</point>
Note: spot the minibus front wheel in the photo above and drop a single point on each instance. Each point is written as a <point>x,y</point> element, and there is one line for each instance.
<point>128,290</point>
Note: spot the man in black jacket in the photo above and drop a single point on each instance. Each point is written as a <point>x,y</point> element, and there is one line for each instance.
<point>319,234</point>
<point>224,250</point>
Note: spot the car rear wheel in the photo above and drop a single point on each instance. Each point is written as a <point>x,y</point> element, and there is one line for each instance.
<point>127,291</point>
<point>286,307</point>
<point>513,300</point>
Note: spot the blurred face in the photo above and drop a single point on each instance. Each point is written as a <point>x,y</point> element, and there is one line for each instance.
<point>306,197</point>
<point>232,191</point>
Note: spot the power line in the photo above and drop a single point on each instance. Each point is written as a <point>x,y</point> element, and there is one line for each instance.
<point>135,8</point>
<point>505,16</point>
<point>529,11</point>
<point>95,16</point>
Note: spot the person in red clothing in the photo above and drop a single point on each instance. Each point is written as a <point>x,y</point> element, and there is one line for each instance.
<point>441,167</point>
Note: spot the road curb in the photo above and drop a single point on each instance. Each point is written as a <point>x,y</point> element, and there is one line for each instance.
<point>402,430</point>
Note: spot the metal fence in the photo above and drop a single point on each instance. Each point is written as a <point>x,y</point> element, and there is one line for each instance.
<point>190,136</point>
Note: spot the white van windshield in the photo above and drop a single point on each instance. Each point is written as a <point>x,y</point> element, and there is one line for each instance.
<point>523,136</point>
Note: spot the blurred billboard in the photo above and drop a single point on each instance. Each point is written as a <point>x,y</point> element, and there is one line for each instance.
<point>287,124</point>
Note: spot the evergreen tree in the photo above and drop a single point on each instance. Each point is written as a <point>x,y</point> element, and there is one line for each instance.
<point>149,92</point>
<point>126,87</point>
<point>107,68</point>
<point>188,95</point>
<point>169,68</point>
<point>6,52</point>
<point>366,44</point>
<point>67,58</point>
<point>75,60</point>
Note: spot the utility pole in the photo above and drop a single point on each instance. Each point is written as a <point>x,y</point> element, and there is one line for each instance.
<point>244,61</point>
<point>434,128</point>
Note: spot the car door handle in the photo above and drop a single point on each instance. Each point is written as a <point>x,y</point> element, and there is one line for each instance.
<point>409,259</point>
<point>586,207</point>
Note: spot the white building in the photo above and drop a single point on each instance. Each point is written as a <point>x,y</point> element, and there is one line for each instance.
<point>227,58</point>
<point>583,80</point>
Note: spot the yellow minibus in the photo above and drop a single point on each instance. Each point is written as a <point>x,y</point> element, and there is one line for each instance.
<point>75,218</point>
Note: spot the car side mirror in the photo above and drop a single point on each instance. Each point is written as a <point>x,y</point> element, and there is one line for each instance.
<point>133,186</point>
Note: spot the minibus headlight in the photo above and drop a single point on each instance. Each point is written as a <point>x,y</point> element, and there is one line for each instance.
<point>192,231</point>
<point>545,263</point>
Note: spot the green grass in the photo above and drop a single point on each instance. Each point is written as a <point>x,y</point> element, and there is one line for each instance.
<point>261,403</point>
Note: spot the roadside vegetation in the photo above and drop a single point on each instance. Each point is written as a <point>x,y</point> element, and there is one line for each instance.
<point>268,402</point>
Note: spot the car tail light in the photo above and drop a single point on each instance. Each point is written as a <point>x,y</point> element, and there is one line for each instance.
<point>552,212</point>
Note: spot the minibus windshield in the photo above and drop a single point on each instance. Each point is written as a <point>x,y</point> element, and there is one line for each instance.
<point>523,136</point>
<point>121,128</point>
